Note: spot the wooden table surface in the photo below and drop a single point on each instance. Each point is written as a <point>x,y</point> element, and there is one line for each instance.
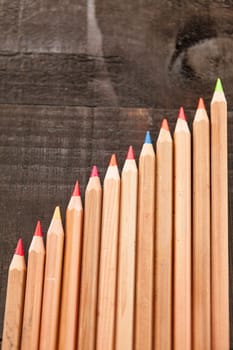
<point>80,80</point>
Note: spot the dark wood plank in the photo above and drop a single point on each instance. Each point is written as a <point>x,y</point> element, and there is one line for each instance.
<point>44,149</point>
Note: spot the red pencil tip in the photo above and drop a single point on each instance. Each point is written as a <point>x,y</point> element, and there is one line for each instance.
<point>76,191</point>
<point>130,154</point>
<point>19,249</point>
<point>201,104</point>
<point>165,125</point>
<point>94,172</point>
<point>38,230</point>
<point>113,160</point>
<point>181,114</point>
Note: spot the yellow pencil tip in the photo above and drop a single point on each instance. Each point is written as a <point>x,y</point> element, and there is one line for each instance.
<point>57,213</point>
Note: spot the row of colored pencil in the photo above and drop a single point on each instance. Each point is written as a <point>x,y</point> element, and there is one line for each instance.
<point>146,267</point>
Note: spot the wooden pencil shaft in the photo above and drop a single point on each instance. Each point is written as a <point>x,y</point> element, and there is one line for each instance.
<point>108,262</point>
<point>201,232</point>
<point>126,260</point>
<point>90,265</point>
<point>33,295</point>
<point>145,250</point>
<point>14,304</point>
<point>182,238</point>
<point>219,225</point>
<point>71,275</point>
<point>163,242</point>
<point>52,286</point>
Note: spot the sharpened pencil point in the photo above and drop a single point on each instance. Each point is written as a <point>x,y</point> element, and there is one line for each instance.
<point>57,213</point>
<point>218,86</point>
<point>130,154</point>
<point>201,104</point>
<point>181,114</point>
<point>148,138</point>
<point>113,160</point>
<point>19,249</point>
<point>38,230</point>
<point>76,191</point>
<point>165,124</point>
<point>94,171</point>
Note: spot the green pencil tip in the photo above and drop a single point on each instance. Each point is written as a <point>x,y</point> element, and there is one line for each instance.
<point>218,86</point>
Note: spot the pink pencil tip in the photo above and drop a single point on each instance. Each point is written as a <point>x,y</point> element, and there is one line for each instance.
<point>94,172</point>
<point>130,154</point>
<point>201,104</point>
<point>38,230</point>
<point>165,125</point>
<point>19,249</point>
<point>76,191</point>
<point>181,114</point>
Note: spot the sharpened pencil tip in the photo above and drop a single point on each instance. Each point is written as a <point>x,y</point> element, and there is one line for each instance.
<point>19,249</point>
<point>201,104</point>
<point>76,191</point>
<point>165,124</point>
<point>218,86</point>
<point>181,114</point>
<point>57,213</point>
<point>130,154</point>
<point>94,171</point>
<point>38,230</point>
<point>148,138</point>
<point>113,160</point>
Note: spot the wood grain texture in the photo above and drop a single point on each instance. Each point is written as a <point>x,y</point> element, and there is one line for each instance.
<point>44,149</point>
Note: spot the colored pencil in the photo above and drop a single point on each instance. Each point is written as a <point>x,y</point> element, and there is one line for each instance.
<point>201,230</point>
<point>219,221</point>
<point>127,250</point>
<point>182,235</point>
<point>164,239</point>
<point>33,292</point>
<point>52,284</point>
<point>71,272</point>
<point>14,300</point>
<point>108,258</point>
<point>90,263</point>
<point>145,247</point>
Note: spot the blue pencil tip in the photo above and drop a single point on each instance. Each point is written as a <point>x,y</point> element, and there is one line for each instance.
<point>148,138</point>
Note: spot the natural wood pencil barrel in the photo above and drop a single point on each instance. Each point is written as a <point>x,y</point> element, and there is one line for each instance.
<point>201,230</point>
<point>127,251</point>
<point>219,222</point>
<point>14,301</point>
<point>90,264</point>
<point>108,259</point>
<point>71,273</point>
<point>163,240</point>
<point>34,292</point>
<point>182,235</point>
<point>145,248</point>
<point>52,284</point>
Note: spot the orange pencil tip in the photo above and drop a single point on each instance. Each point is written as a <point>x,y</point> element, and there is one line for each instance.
<point>181,114</point>
<point>201,104</point>
<point>94,172</point>
<point>165,125</point>
<point>76,191</point>
<point>19,249</point>
<point>130,154</point>
<point>38,230</point>
<point>113,160</point>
